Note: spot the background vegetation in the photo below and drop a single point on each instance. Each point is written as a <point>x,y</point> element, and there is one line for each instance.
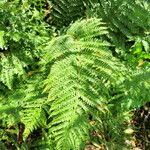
<point>74,74</point>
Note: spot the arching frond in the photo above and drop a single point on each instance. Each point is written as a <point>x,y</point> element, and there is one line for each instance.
<point>82,67</point>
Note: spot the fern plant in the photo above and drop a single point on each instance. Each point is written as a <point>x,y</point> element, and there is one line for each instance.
<point>82,69</point>
<point>129,20</point>
<point>66,89</point>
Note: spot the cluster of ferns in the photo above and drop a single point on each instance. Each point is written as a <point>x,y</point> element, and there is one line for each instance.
<point>72,72</point>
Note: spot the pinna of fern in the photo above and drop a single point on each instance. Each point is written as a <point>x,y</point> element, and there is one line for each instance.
<point>82,69</point>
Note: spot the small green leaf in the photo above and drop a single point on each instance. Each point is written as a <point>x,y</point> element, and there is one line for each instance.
<point>2,42</point>
<point>16,37</point>
<point>138,48</point>
<point>146,45</point>
<point>129,131</point>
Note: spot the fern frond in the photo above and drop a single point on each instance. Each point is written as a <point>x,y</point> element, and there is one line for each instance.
<point>81,68</point>
<point>26,105</point>
<point>138,87</point>
<point>63,12</point>
<point>32,103</point>
<point>32,119</point>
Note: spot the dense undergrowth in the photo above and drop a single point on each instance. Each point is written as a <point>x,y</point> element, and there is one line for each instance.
<point>74,74</point>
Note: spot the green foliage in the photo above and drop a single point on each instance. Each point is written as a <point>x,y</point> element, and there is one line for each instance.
<point>10,66</point>
<point>22,32</point>
<point>63,12</point>
<point>72,72</point>
<point>78,81</point>
<point>129,20</point>
<point>22,36</point>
